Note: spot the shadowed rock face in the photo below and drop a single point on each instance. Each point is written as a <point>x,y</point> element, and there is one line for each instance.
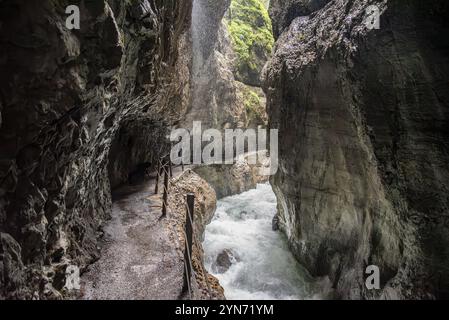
<point>363,118</point>
<point>283,12</point>
<point>79,112</point>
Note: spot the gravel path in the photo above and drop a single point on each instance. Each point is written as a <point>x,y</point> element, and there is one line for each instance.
<point>138,260</point>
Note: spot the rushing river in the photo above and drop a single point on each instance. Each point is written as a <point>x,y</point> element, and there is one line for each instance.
<point>263,267</point>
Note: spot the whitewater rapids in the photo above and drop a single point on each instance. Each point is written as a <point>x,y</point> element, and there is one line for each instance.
<point>263,267</point>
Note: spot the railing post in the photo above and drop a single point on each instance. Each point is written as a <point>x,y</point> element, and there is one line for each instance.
<point>165,197</point>
<point>189,237</point>
<point>156,189</point>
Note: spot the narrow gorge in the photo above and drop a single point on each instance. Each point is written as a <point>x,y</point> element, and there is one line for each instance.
<point>91,192</point>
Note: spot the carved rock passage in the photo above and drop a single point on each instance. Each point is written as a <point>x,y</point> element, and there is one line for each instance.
<point>363,118</point>
<point>71,104</point>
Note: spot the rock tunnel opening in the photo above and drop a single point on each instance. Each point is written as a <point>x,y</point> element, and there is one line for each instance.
<point>135,150</point>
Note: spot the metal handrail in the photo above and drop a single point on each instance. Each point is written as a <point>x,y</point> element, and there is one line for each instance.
<point>162,166</point>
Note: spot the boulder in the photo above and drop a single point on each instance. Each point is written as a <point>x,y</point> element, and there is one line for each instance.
<point>224,261</point>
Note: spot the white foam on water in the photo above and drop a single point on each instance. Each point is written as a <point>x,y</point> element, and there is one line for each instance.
<point>266,269</point>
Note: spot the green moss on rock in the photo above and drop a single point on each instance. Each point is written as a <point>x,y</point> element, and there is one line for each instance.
<point>253,100</point>
<point>250,27</point>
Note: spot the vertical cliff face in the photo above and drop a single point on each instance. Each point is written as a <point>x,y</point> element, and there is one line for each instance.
<point>79,110</point>
<point>214,95</point>
<point>213,92</point>
<point>363,118</point>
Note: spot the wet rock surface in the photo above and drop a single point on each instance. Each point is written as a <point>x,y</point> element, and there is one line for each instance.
<point>214,95</point>
<point>205,285</point>
<point>84,112</point>
<point>143,253</point>
<point>138,260</point>
<point>224,261</point>
<point>80,110</point>
<point>228,180</point>
<point>213,90</point>
<point>363,114</point>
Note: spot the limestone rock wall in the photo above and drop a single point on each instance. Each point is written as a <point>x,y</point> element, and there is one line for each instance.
<point>80,110</point>
<point>206,286</point>
<point>363,117</point>
<point>283,12</point>
<point>213,91</point>
<point>212,94</point>
<point>229,180</point>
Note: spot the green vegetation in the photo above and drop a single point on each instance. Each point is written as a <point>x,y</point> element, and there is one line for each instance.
<point>254,108</point>
<point>251,32</point>
<point>252,100</point>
